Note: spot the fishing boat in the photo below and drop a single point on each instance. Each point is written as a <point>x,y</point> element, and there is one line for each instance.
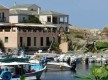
<point>2,55</point>
<point>14,70</point>
<point>58,66</point>
<point>54,66</point>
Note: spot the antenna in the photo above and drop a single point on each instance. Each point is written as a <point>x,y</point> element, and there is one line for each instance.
<point>14,3</point>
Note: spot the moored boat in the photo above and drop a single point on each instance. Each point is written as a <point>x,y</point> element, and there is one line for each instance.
<point>58,66</point>
<point>54,66</point>
<point>14,70</point>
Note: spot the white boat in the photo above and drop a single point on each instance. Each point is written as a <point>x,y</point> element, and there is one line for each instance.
<point>55,65</point>
<point>103,59</point>
<point>58,66</point>
<point>2,55</point>
<point>45,54</point>
<point>12,72</point>
<point>91,59</point>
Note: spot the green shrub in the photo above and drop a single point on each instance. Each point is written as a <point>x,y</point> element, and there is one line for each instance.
<point>79,36</point>
<point>32,19</point>
<point>22,77</point>
<point>101,45</point>
<point>97,73</point>
<point>1,45</point>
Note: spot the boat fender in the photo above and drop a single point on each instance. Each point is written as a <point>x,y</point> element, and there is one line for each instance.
<point>5,75</point>
<point>61,67</point>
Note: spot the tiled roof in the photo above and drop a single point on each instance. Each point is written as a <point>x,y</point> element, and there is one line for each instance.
<point>3,7</point>
<point>22,12</point>
<point>49,12</point>
<point>22,6</point>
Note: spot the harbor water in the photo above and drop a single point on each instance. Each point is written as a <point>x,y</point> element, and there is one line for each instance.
<point>66,75</point>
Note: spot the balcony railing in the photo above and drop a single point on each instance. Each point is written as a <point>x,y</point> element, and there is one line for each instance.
<point>3,19</point>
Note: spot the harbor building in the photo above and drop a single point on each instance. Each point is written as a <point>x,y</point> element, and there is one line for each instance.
<point>20,13</point>
<point>16,31</point>
<point>30,36</point>
<point>58,19</point>
<point>4,14</point>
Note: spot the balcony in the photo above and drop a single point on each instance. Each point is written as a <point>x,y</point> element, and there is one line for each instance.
<point>3,19</point>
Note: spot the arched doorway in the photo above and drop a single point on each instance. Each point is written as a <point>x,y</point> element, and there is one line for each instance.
<point>61,30</point>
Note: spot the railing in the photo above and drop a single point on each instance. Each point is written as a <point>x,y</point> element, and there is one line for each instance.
<point>3,19</point>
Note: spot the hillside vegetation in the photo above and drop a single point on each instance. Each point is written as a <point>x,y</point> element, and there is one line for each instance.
<point>89,40</point>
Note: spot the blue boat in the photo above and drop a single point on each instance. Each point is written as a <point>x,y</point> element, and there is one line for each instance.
<point>14,70</point>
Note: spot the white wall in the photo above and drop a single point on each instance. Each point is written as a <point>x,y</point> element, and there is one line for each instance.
<point>20,9</point>
<point>35,8</point>
<point>17,18</point>
<point>43,18</point>
<point>13,19</point>
<point>64,47</point>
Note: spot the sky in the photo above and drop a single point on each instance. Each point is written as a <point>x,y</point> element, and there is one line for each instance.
<point>82,13</point>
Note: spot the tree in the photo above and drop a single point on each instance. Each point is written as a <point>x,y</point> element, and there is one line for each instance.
<point>32,19</point>
<point>70,45</point>
<point>55,46</point>
<point>1,45</point>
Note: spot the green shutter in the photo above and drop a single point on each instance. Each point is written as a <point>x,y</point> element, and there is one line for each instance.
<point>6,39</point>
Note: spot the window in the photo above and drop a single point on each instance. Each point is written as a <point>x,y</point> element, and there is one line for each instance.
<point>54,20</point>
<point>29,29</point>
<point>48,19</point>
<point>24,29</point>
<point>6,39</point>
<point>23,18</point>
<point>34,30</point>
<point>1,29</point>
<point>19,29</point>
<point>31,9</point>
<point>21,41</point>
<point>28,41</point>
<point>34,41</point>
<point>7,29</point>
<point>2,14</point>
<point>41,41</point>
<point>47,41</point>
<point>66,28</point>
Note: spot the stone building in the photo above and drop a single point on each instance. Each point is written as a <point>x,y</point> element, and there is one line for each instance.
<point>4,14</point>
<point>30,36</point>
<point>33,36</point>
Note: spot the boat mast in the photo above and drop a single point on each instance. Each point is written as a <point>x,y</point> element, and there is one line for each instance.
<point>50,46</point>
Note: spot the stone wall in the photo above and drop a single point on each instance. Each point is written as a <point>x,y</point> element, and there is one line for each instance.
<point>64,47</point>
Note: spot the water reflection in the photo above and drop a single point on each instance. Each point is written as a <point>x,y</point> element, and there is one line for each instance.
<point>66,75</point>
<point>87,66</point>
<point>38,79</point>
<point>73,71</point>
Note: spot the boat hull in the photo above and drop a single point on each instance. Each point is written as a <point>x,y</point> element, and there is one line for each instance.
<point>31,75</point>
<point>57,67</point>
<point>37,73</point>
